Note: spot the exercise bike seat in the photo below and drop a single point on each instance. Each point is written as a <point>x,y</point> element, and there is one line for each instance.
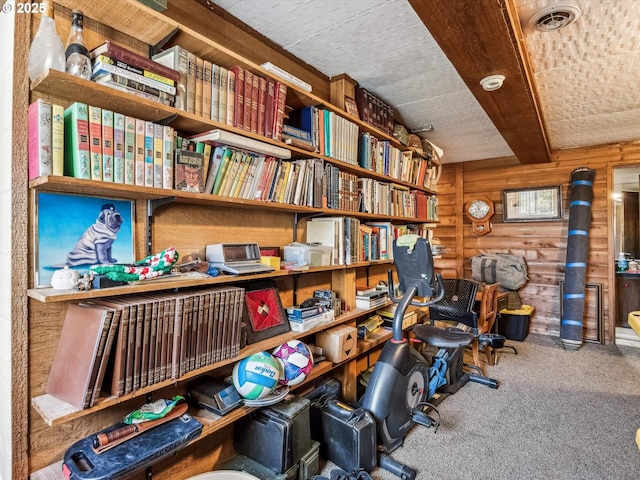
<point>442,338</point>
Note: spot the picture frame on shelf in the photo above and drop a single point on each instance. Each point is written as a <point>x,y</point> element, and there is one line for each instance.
<point>264,315</point>
<point>79,231</point>
<point>537,204</point>
<point>351,107</point>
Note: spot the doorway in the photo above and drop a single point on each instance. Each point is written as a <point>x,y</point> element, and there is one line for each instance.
<point>626,235</point>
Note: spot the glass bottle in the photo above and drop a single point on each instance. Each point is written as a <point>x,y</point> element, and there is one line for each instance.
<point>78,61</point>
<point>46,51</point>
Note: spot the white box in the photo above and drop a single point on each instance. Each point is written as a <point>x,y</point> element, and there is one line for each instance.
<point>314,256</point>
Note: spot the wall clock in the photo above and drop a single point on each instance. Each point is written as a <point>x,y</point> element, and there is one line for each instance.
<point>480,210</point>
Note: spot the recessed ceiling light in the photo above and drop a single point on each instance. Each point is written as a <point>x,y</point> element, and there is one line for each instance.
<point>492,82</point>
<point>554,18</point>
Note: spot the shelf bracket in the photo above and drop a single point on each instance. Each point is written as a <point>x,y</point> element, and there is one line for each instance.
<point>295,289</point>
<point>301,216</point>
<point>167,120</point>
<point>151,206</point>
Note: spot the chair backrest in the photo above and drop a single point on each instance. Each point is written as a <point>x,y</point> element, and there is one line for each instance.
<point>414,266</point>
<point>488,308</point>
<point>458,302</point>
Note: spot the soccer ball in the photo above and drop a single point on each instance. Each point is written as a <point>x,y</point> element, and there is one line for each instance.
<point>256,375</point>
<point>296,361</point>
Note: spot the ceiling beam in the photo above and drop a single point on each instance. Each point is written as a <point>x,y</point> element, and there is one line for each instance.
<point>479,39</point>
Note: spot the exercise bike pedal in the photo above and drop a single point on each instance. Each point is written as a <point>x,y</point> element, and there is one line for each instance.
<point>494,340</point>
<point>489,382</point>
<point>423,419</point>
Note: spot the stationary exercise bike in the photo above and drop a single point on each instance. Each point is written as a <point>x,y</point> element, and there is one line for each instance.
<point>401,383</point>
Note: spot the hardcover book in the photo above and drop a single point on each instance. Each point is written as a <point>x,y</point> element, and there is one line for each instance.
<point>238,100</point>
<point>215,92</point>
<point>222,95</point>
<point>148,154</point>
<point>189,171</point>
<point>158,160</point>
<point>77,156</point>
<point>248,95</point>
<point>177,58</point>
<point>231,95</point>
<point>118,52</point>
<point>57,139</point>
<point>107,145</point>
<point>118,147</point>
<point>95,141</point>
<point>167,155</point>
<point>139,151</point>
<point>103,65</point>
<point>191,84</point>
<point>40,139</point>
<point>206,88</point>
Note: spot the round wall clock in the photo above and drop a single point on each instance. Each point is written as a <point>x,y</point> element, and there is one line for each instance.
<point>480,210</point>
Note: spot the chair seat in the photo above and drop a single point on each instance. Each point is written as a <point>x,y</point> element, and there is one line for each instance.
<point>442,338</point>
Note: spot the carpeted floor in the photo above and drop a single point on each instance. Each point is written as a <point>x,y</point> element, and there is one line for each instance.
<point>558,414</point>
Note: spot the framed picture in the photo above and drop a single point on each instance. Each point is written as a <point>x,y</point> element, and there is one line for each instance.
<point>351,107</point>
<point>264,315</point>
<point>532,204</point>
<point>79,231</point>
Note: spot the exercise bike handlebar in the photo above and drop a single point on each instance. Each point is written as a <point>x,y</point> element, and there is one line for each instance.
<point>407,299</point>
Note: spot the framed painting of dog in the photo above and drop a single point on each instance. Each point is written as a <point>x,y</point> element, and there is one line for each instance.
<point>78,231</point>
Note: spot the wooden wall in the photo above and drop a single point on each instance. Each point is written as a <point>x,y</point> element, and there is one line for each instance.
<point>542,244</point>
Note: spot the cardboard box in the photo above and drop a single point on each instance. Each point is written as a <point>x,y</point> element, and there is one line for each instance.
<point>339,343</point>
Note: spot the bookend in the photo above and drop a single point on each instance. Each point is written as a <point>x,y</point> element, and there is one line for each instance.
<point>263,314</point>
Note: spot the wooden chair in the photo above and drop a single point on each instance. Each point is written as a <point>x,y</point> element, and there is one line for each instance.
<point>487,314</point>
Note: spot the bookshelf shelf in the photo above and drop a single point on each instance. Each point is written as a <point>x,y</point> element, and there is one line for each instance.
<point>55,412</point>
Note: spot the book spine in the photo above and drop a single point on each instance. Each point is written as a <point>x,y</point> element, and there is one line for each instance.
<point>248,95</point>
<point>177,58</point>
<point>239,96</point>
<point>130,67</point>
<point>139,152</point>
<point>206,88</point>
<point>95,141</point>
<point>158,160</point>
<point>117,52</point>
<point>262,98</point>
<point>130,151</point>
<point>191,84</point>
<point>215,92</point>
<point>118,147</point>
<point>57,139</point>
<point>281,95</point>
<point>77,161</point>
<point>40,141</point>
<point>231,96</point>
<point>109,82</point>
<point>104,65</point>
<point>269,108</point>
<point>107,145</point>
<point>199,85</point>
<point>148,154</point>
<point>113,79</point>
<point>167,156</point>
<point>255,94</point>
<point>222,99</point>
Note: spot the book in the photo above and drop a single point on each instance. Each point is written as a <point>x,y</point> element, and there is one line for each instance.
<point>118,147</point>
<point>262,99</point>
<point>206,88</point>
<point>119,52</point>
<point>280,98</point>
<point>191,83</point>
<point>77,160</point>
<point>218,136</point>
<point>177,58</point>
<point>95,141</point>
<point>158,159</point>
<point>238,101</point>
<point>189,171</point>
<point>107,145</point>
<point>286,75</point>
<point>222,95</point>
<point>268,108</point>
<point>231,95</point>
<point>199,85</point>
<point>215,92</point>
<point>328,232</point>
<point>75,358</point>
<point>40,139</point>
<point>139,151</point>
<point>248,96</point>
<point>130,87</point>
<point>148,154</point>
<point>103,65</point>
<point>57,139</point>
<point>227,155</point>
<point>167,155</point>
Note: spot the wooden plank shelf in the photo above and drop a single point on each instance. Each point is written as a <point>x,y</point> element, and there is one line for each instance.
<point>55,412</point>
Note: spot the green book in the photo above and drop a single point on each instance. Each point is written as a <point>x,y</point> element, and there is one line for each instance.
<point>226,159</point>
<point>130,151</point>
<point>77,161</point>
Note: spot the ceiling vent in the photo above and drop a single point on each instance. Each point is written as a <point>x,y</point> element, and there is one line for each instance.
<point>554,18</point>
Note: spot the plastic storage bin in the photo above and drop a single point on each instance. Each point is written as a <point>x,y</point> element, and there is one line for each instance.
<point>514,324</point>
<point>314,256</point>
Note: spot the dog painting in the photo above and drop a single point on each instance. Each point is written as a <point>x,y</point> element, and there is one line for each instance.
<point>80,231</point>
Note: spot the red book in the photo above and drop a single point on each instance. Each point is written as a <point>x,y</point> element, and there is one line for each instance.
<point>117,52</point>
<point>279,104</point>
<point>255,93</point>
<point>95,141</point>
<point>268,108</point>
<point>248,96</point>
<point>262,98</point>
<point>238,115</point>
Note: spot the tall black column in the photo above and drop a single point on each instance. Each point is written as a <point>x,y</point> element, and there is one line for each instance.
<point>571,325</point>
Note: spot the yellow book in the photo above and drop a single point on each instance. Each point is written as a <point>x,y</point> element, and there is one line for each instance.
<point>231,174</point>
<point>244,167</point>
<point>158,161</point>
<point>285,180</point>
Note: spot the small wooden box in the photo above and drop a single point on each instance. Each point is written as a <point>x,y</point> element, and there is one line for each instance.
<point>342,86</point>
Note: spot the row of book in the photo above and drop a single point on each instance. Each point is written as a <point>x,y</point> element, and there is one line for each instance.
<point>384,198</point>
<point>122,344</point>
<point>383,157</point>
<point>231,95</point>
<point>374,111</point>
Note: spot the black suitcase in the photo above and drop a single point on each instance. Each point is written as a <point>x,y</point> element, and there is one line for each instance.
<point>277,436</point>
<point>349,436</point>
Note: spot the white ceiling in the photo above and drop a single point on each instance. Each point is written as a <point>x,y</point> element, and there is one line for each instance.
<point>587,75</point>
